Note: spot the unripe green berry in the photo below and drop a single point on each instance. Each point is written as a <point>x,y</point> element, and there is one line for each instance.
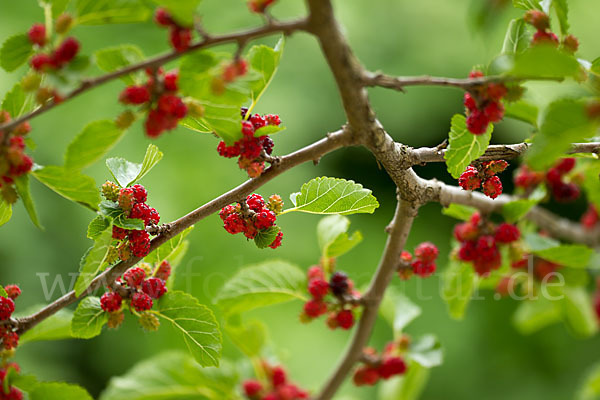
<point>275,203</point>
<point>110,191</point>
<point>31,82</point>
<point>125,119</point>
<point>195,109</point>
<point>149,322</point>
<point>115,319</point>
<point>63,23</point>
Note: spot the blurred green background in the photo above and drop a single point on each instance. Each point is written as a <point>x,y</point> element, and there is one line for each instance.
<point>484,356</point>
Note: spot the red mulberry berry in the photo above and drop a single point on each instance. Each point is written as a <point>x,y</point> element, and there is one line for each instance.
<point>228,151</point>
<point>477,122</point>
<point>10,340</point>
<point>392,366</point>
<point>507,233</point>
<point>492,187</point>
<point>465,231</point>
<point>496,91</point>
<point>41,62</point>
<point>162,17</point>
<point>590,218</point>
<point>565,192</point>
<point>250,231</point>
<point>315,272</point>
<point>227,211</point>
<point>565,165</point>
<point>139,243</point>
<point>13,291</point>
<point>366,376</point>
<point>156,123</point>
<point>172,105</point>
<point>163,271</point>
<point>267,144</point>
<point>139,193</point>
<point>66,51</point>
<point>318,288</point>
<point>255,202</point>
<point>467,251</point>
<point>405,257</point>
<point>126,199</point>
<point>469,102</point>
<point>554,176</point>
<point>495,167</point>
<point>426,251</point>
<point>251,148</point>
<point>140,211</point>
<point>277,242</point>
<point>494,111</point>
<point>259,6</point>
<point>252,388</point>
<point>37,34</point>
<point>154,287</point>
<point>111,301</point>
<point>135,95</point>
<point>338,283</point>
<point>180,38</point>
<point>257,121</point>
<point>234,224</point>
<point>141,302</point>
<point>475,74</point>
<point>7,307</point>
<point>422,268</point>
<point>264,219</point>
<point>345,319</point>
<point>119,233</point>
<point>539,19</point>
<point>273,119</point>
<point>469,180</point>
<point>278,376</point>
<point>134,276</point>
<point>315,308</point>
<point>542,37</point>
<point>170,81</point>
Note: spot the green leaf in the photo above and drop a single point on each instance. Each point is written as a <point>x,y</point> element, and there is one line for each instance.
<point>101,12</point>
<point>170,250</point>
<point>569,255</point>
<point>196,323</point>
<point>333,196</point>
<point>537,242</point>
<point>249,336</point>
<point>114,58</point>
<point>523,111</point>
<point>517,37</point>
<point>514,210</point>
<point>127,173</point>
<point>561,7</point>
<point>58,391</point>
<point>16,102</point>
<point>56,327</point>
<point>398,310</point>
<point>527,4</point>
<point>97,226</point>
<point>591,183</point>
<point>464,146</point>
<point>543,61</point>
<point>5,212</point>
<point>92,143</point>
<point>195,124</point>
<point>22,186</point>
<point>3,292</point>
<point>268,130</point>
<point>122,221</point>
<point>265,237</point>
<point>407,387</point>
<point>15,51</point>
<point>427,351</point>
<point>93,261</point>
<point>88,319</point>
<point>332,233</point>
<point>533,315</point>
<point>110,209</point>
<point>564,122</point>
<point>590,389</point>
<point>459,284</point>
<point>580,316</point>
<point>261,285</point>
<point>265,61</point>
<point>72,185</point>
<point>182,10</point>
<point>459,211</point>
<point>173,376</point>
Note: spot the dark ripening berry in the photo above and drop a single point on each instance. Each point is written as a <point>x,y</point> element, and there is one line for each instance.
<point>366,376</point>
<point>110,301</point>
<point>252,388</point>
<point>119,233</point>
<point>477,122</point>
<point>180,38</point>
<point>318,288</point>
<point>125,199</point>
<point>570,43</point>
<point>13,291</point>
<point>539,19</point>
<point>426,251</point>
<point>345,319</point>
<point>315,308</point>
<point>565,192</point>
<point>7,307</point>
<point>339,283</point>
<point>422,268</point>
<point>492,187</point>
<point>37,34</point>
<point>141,302</point>
<point>134,276</point>
<point>154,287</point>
<point>507,233</point>
<point>392,366</point>
<point>469,180</point>
<point>135,95</point>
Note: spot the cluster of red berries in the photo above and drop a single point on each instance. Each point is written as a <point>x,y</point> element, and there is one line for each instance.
<point>590,218</point>
<point>7,391</point>
<point>335,297</point>
<point>138,286</point>
<point>483,105</point>
<point>159,97</point>
<point>422,264</point>
<point>485,177</point>
<point>58,57</point>
<point>132,201</point>
<point>277,386</point>
<point>543,35</point>
<point>375,367</point>
<point>479,241</point>
<point>13,160</point>
<point>252,216</point>
<point>180,37</point>
<point>259,6</point>
<point>231,72</point>
<point>9,338</point>
<point>528,179</point>
<point>250,149</point>
<point>562,190</point>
